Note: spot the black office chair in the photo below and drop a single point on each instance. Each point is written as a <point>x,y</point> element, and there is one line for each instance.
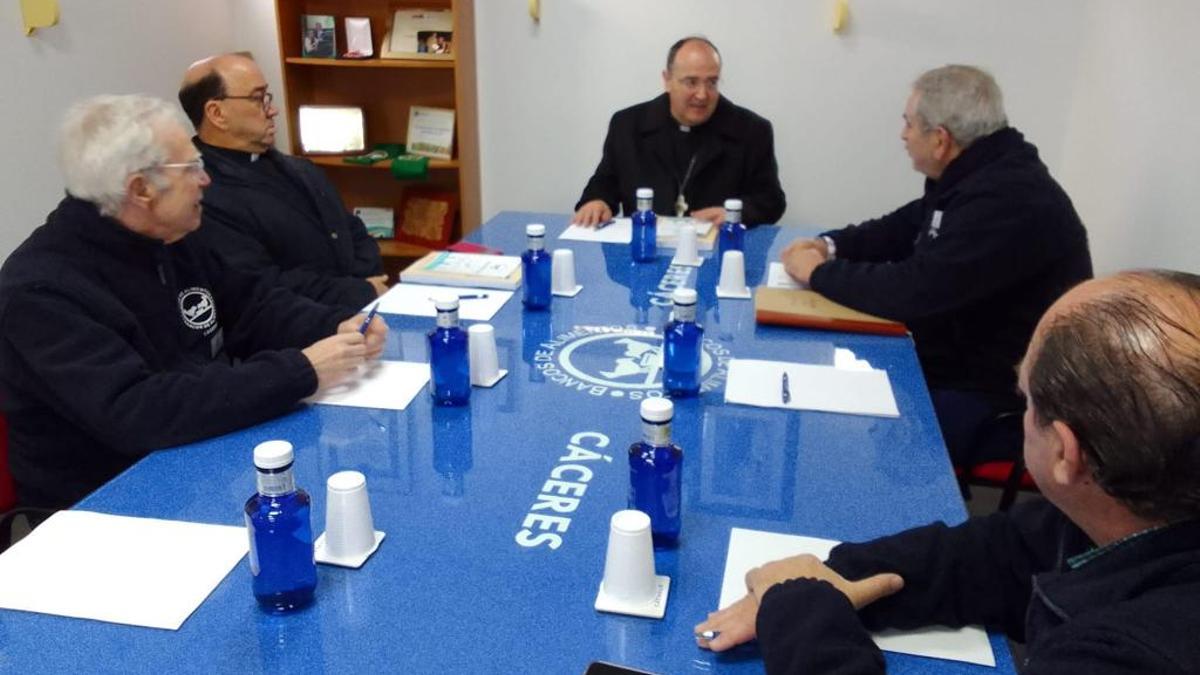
<point>1001,436</point>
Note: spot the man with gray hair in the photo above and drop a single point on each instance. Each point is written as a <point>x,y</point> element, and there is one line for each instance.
<point>1101,576</point>
<point>970,265</point>
<point>122,336</point>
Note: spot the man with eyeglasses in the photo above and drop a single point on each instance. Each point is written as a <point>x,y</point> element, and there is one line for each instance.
<point>123,333</point>
<point>969,266</point>
<point>692,145</point>
<point>266,211</point>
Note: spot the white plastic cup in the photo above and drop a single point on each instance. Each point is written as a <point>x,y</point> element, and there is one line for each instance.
<point>685,248</point>
<point>349,528</point>
<point>562,271</point>
<point>733,273</point>
<point>481,349</point>
<point>629,562</point>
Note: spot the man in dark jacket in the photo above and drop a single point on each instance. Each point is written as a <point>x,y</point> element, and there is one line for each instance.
<point>1104,577</point>
<point>971,265</point>
<point>691,145</point>
<point>271,213</point>
<point>121,334</point>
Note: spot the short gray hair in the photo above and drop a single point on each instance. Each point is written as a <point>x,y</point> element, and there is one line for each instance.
<point>964,100</point>
<point>104,139</point>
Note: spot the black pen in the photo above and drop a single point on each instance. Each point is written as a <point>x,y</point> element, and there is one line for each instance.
<point>786,393</point>
<point>370,315</point>
<point>601,226</point>
<point>477,296</point>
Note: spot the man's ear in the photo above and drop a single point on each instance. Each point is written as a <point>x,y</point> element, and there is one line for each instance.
<point>1070,465</point>
<point>666,78</point>
<point>214,114</point>
<point>140,190</point>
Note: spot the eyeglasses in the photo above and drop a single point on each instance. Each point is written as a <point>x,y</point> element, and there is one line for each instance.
<point>196,166</point>
<point>264,99</point>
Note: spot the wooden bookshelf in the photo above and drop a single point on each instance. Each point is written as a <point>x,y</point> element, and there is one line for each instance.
<point>386,89</point>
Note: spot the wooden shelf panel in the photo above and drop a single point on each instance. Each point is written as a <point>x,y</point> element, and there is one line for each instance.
<point>443,64</point>
<point>326,160</point>
<point>398,249</point>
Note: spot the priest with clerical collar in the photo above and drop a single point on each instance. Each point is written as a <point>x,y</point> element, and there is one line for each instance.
<point>691,145</point>
<point>269,212</point>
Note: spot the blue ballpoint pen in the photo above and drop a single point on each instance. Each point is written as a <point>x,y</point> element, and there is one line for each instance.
<point>367,323</point>
<point>476,296</point>
<point>786,393</point>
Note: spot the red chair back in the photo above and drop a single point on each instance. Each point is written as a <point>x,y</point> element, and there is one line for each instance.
<point>8,492</point>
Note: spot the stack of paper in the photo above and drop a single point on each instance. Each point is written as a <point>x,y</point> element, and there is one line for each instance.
<point>666,231</point>
<point>136,571</point>
<point>854,391</point>
<point>465,269</point>
<point>475,304</point>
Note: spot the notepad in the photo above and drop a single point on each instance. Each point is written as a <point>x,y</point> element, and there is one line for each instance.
<point>386,385</point>
<point>666,232</point>
<point>415,300</point>
<point>752,548</point>
<point>853,391</point>
<point>120,569</point>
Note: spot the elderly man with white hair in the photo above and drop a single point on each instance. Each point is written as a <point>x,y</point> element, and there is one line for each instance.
<point>970,265</point>
<point>122,336</point>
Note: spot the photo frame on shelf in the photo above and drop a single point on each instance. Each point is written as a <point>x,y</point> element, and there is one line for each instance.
<point>426,217</point>
<point>430,132</point>
<point>331,129</point>
<point>420,34</point>
<point>358,38</point>
<point>318,36</point>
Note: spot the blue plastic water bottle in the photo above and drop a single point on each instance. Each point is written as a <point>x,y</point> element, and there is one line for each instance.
<point>536,264</point>
<point>643,247</point>
<point>733,232</point>
<point>682,338</point>
<point>449,361</point>
<point>655,472</point>
<point>281,540</point>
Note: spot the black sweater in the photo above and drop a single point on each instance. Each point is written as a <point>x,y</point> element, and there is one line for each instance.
<point>281,218</point>
<point>1133,609</point>
<point>114,344</point>
<point>971,266</point>
<point>734,157</point>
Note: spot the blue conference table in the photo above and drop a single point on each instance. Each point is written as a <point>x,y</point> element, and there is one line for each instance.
<point>467,581</point>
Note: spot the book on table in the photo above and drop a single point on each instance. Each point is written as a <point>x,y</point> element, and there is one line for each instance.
<point>809,309</point>
<point>481,270</point>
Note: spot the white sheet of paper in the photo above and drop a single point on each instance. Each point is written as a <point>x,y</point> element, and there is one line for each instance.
<point>134,571</point>
<point>777,277</point>
<point>387,385</point>
<point>825,388</point>
<point>750,548</point>
<point>414,300</point>
<point>621,230</point>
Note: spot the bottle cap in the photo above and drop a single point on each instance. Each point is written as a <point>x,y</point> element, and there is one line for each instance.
<point>445,302</point>
<point>273,454</point>
<point>645,193</point>
<point>535,230</point>
<point>657,409</point>
<point>684,296</point>
<point>733,205</point>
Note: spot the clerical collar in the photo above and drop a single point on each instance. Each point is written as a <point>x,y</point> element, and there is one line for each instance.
<point>240,156</point>
<point>684,128</point>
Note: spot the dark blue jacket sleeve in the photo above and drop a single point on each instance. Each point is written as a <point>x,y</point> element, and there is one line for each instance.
<point>808,626</point>
<point>979,572</point>
<point>886,239</point>
<point>91,374</point>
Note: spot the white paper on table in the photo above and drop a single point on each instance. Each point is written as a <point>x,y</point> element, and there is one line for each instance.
<point>387,385</point>
<point>621,231</point>
<point>812,387</point>
<point>415,300</point>
<point>777,277</point>
<point>134,571</point>
<point>751,548</point>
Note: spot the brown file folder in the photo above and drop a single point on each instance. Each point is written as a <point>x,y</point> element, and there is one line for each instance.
<point>809,309</point>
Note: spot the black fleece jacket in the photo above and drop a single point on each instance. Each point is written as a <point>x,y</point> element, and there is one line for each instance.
<point>113,344</point>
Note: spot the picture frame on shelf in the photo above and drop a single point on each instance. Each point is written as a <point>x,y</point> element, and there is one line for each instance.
<point>379,221</point>
<point>358,38</point>
<point>430,132</point>
<point>426,217</point>
<point>318,35</point>
<point>420,34</point>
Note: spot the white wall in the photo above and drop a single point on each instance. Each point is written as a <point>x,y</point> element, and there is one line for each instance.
<point>1079,77</point>
<point>115,46</point>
